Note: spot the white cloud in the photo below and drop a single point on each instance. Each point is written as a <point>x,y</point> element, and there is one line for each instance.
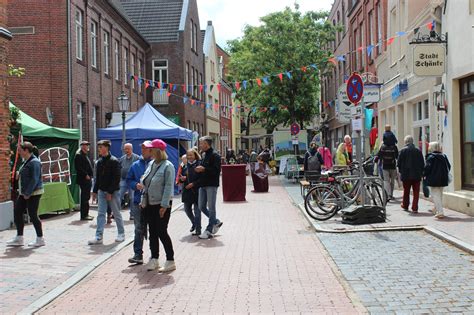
<point>230,16</point>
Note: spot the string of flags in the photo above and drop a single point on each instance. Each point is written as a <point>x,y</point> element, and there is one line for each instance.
<point>173,88</point>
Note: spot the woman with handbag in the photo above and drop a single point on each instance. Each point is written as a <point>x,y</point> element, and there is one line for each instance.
<point>156,202</point>
<point>436,175</point>
<point>190,195</point>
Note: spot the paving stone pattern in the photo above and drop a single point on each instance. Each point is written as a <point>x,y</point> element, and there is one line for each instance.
<point>264,259</point>
<point>404,272</point>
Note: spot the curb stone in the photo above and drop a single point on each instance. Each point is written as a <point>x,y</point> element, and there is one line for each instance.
<point>47,298</point>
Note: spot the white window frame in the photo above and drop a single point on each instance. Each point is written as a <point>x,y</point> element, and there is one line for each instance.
<point>132,68</point>
<point>117,59</point>
<point>94,48</point>
<point>192,35</point>
<point>79,21</point>
<point>193,73</point>
<point>379,28</point>
<point>106,52</point>
<point>125,66</point>
<point>160,71</point>
<point>187,77</point>
<point>370,34</point>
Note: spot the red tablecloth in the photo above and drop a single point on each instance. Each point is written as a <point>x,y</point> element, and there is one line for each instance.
<point>233,182</point>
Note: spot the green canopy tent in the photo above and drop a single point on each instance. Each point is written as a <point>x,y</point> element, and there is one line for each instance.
<point>45,137</point>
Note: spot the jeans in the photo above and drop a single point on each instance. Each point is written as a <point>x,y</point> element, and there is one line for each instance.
<point>437,193</point>
<point>123,189</point>
<point>389,177</point>
<point>31,204</point>
<point>85,196</point>
<point>207,196</point>
<point>407,185</point>
<point>138,239</point>
<point>196,217</point>
<point>114,205</point>
<point>159,231</point>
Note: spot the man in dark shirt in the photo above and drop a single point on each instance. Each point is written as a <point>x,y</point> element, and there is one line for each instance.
<point>107,192</point>
<point>388,155</point>
<point>84,178</point>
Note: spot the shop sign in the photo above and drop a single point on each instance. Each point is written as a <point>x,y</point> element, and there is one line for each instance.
<point>429,60</point>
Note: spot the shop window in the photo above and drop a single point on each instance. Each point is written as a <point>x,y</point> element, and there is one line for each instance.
<point>467,132</point>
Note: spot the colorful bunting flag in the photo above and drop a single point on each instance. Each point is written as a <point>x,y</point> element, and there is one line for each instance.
<point>265,80</point>
<point>244,83</point>
<point>341,58</point>
<point>333,61</point>
<point>288,74</point>
<point>369,50</point>
<point>280,75</point>
<point>390,41</point>
<point>303,69</point>
<point>259,82</point>
<point>237,85</point>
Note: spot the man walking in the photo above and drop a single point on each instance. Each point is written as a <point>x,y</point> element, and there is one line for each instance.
<point>107,192</point>
<point>126,161</point>
<point>84,178</point>
<point>388,155</point>
<point>410,166</point>
<point>208,182</point>
<point>134,175</point>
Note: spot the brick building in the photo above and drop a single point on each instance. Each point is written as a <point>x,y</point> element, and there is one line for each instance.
<point>176,56</point>
<point>78,56</point>
<point>225,100</point>
<point>6,213</point>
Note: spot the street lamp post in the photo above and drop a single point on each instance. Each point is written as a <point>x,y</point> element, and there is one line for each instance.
<point>123,103</point>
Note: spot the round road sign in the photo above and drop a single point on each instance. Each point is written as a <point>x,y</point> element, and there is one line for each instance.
<point>295,129</point>
<point>355,88</point>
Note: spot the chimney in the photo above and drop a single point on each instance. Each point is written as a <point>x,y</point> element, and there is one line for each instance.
<point>209,23</point>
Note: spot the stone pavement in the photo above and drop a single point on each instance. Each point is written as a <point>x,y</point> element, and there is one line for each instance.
<point>29,273</point>
<point>407,272</point>
<point>264,259</point>
<point>457,225</point>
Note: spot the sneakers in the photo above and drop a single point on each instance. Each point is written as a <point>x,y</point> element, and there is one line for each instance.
<point>152,264</point>
<point>197,232</point>
<point>205,235</point>
<point>16,241</point>
<point>37,243</point>
<point>87,218</point>
<point>95,241</point>
<point>169,266</point>
<point>120,238</point>
<point>136,259</point>
<point>439,216</point>
<point>192,228</point>
<point>216,227</point>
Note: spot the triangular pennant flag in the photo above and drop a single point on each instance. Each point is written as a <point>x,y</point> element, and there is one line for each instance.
<point>190,87</point>
<point>205,88</point>
<point>360,48</point>
<point>135,77</point>
<point>219,87</point>
<point>164,85</point>
<point>161,91</point>
<point>237,85</point>
<point>369,50</point>
<point>185,100</point>
<point>416,30</point>
<point>212,87</point>
<point>251,83</point>
<point>201,87</point>
<point>390,41</point>
<point>244,83</point>
<point>430,26</point>
<point>147,84</point>
<point>158,85</point>
<point>314,66</point>
<point>304,69</point>
<point>399,34</point>
<point>169,94</point>
<point>184,88</point>
<point>280,75</point>
<point>259,82</point>
<point>341,58</point>
<point>170,86</point>
<point>288,74</point>
<point>174,87</point>
<point>333,61</point>
<point>192,102</point>
<point>265,80</point>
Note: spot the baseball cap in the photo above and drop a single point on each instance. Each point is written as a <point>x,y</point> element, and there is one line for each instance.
<point>85,143</point>
<point>155,144</point>
<point>104,143</point>
<point>146,144</point>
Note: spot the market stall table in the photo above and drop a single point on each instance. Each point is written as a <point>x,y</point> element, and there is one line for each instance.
<point>56,197</point>
<point>234,182</point>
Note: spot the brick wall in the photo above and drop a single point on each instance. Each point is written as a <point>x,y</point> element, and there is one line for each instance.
<point>4,112</point>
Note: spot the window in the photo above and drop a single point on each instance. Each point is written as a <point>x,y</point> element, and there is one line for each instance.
<point>467,132</point>
<point>125,66</point>
<point>421,125</point>
<point>338,24</point>
<point>79,30</point>
<point>117,59</point>
<point>187,82</point>
<point>106,52</point>
<point>192,81</point>
<point>81,119</point>
<point>379,28</point>
<point>195,37</point>
<point>393,29</point>
<point>132,68</point>
<point>370,33</point>
<point>189,125</point>
<point>94,44</point>
<point>160,70</point>
<point>192,36</point>
<point>362,43</point>
<point>196,83</point>
<point>356,44</point>
<point>140,72</point>
<point>201,93</point>
<point>213,70</point>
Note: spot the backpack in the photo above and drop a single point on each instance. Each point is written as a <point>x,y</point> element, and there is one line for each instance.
<point>313,163</point>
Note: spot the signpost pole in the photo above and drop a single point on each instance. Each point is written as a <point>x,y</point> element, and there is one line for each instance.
<point>362,151</point>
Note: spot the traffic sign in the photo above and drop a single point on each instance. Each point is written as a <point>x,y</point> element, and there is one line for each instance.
<point>355,88</point>
<point>295,129</point>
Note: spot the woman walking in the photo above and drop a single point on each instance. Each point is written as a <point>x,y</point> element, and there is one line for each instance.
<point>158,182</point>
<point>30,191</point>
<point>436,174</point>
<point>190,195</point>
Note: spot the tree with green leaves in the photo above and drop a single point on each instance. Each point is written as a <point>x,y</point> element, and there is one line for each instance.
<point>287,50</point>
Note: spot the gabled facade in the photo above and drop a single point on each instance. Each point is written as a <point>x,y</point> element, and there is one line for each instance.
<point>175,57</point>
<point>225,100</point>
<point>212,80</point>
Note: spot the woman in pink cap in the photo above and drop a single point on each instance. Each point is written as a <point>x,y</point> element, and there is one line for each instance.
<point>158,183</point>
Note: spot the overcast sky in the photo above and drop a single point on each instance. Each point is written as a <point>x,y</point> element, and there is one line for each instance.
<point>230,16</point>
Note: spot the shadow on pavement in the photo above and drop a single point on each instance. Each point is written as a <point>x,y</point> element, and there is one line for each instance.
<point>151,279</point>
<point>17,252</point>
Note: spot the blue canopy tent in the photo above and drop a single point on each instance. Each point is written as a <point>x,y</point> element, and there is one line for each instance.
<point>148,124</point>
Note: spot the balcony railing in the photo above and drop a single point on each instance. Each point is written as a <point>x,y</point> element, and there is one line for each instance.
<point>160,97</point>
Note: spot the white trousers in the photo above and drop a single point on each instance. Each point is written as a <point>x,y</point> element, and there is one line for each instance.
<point>437,193</point>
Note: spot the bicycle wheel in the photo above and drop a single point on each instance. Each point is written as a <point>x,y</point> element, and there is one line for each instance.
<point>378,195</point>
<point>321,202</point>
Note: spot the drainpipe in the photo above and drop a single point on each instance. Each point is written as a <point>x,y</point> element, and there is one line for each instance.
<point>69,64</point>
